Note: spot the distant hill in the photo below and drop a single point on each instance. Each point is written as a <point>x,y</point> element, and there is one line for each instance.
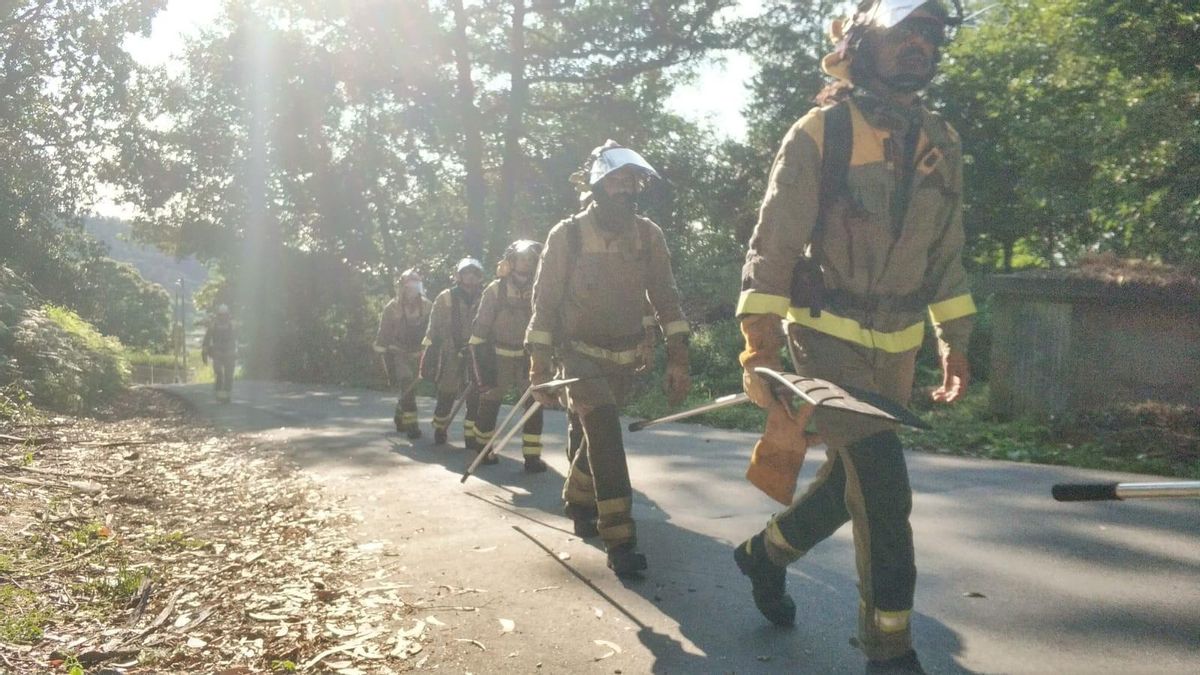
<point>152,263</point>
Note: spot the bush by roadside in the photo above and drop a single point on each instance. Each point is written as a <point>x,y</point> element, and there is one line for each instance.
<point>59,359</point>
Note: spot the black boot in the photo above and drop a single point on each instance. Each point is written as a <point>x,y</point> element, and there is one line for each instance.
<point>626,561</point>
<point>490,459</point>
<point>398,420</point>
<point>767,581</point>
<point>534,464</point>
<point>906,664</point>
<point>414,432</point>
<point>585,528</point>
<point>439,436</point>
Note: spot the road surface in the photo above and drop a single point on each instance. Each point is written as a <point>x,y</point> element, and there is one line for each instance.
<point>1008,580</point>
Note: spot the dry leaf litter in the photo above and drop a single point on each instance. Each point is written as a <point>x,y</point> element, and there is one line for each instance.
<point>142,542</point>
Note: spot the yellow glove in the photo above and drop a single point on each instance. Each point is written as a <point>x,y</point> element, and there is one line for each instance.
<point>677,381</point>
<point>764,339</point>
<point>779,454</point>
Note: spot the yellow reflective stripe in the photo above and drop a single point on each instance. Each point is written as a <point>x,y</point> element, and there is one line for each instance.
<point>539,337</point>
<point>427,342</point>
<point>614,534</point>
<point>514,353</point>
<point>850,331</point>
<point>954,308</point>
<point>677,327</point>
<point>625,358</point>
<point>782,547</point>
<point>892,622</point>
<point>469,425</point>
<point>648,322</point>
<point>531,439</point>
<point>476,340</point>
<point>753,302</point>
<point>617,505</point>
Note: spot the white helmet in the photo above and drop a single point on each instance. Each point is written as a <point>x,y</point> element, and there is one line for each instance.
<point>468,263</point>
<point>611,156</point>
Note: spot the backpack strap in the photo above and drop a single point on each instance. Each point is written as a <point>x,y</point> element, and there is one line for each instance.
<point>836,148</point>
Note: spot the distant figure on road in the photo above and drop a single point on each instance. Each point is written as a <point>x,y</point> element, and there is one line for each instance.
<point>445,360</point>
<point>220,345</point>
<point>402,327</point>
<point>498,349</point>
<point>598,268</point>
<point>859,235</point>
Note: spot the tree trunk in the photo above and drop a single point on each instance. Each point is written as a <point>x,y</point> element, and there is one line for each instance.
<point>472,129</point>
<point>514,130</point>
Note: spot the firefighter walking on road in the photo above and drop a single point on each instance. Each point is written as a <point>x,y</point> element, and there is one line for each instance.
<point>858,237</point>
<point>498,351</point>
<point>402,329</point>
<point>220,345</point>
<point>446,360</point>
<point>598,268</point>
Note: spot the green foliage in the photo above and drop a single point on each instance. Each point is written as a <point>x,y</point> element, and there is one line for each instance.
<point>23,615</point>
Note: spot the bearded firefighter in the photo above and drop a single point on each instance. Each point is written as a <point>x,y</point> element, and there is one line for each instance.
<point>498,350</point>
<point>859,237</point>
<point>598,268</point>
<point>446,359</point>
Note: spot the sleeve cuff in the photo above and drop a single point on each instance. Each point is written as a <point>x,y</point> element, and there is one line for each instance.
<point>677,328</point>
<point>754,302</point>
<point>954,308</point>
<point>539,337</point>
<point>427,342</point>
<point>476,340</point>
<point>648,321</point>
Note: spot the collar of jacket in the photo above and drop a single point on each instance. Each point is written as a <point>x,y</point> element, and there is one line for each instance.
<point>884,114</point>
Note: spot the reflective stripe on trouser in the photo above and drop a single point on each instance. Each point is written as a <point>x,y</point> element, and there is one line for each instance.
<point>512,374</point>
<point>579,491</point>
<point>441,410</point>
<point>864,480</point>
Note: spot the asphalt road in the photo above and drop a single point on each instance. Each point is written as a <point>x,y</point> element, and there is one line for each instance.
<point>1008,580</point>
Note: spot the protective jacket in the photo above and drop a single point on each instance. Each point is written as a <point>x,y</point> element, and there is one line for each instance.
<point>591,290</point>
<point>220,341</point>
<point>889,252</point>
<point>400,332</point>
<point>450,320</point>
<point>503,316</point>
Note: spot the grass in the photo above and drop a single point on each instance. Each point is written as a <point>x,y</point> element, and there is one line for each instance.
<point>23,616</point>
<point>176,540</point>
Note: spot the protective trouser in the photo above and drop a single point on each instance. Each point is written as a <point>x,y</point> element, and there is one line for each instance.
<point>598,484</point>
<point>865,481</point>
<point>450,383</point>
<point>511,373</point>
<point>402,371</point>
<point>223,373</point>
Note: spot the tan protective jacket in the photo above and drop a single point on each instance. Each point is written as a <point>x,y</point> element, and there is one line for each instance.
<point>452,310</point>
<point>590,293</point>
<point>880,283</point>
<point>401,332</point>
<point>504,312</point>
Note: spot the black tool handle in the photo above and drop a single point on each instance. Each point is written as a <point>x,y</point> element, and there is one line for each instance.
<point>1084,492</point>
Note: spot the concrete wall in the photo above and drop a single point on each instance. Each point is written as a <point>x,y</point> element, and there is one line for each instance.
<point>1059,347</point>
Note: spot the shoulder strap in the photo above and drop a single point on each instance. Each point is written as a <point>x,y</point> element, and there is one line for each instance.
<point>574,238</point>
<point>455,319</point>
<point>836,148</point>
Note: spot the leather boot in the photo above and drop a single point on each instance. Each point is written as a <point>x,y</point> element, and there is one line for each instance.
<point>626,561</point>
<point>767,581</point>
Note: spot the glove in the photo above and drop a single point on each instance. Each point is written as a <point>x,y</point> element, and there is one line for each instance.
<point>778,455</point>
<point>481,385</point>
<point>646,350</point>
<point>764,338</point>
<point>541,370</point>
<point>677,381</point>
<point>956,374</point>
<point>379,349</point>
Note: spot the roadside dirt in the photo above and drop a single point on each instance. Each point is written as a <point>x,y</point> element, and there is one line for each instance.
<point>141,540</point>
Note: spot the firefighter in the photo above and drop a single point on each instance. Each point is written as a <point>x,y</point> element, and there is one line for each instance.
<point>498,350</point>
<point>598,267</point>
<point>445,360</point>
<point>401,331</point>
<point>858,237</point>
<point>220,345</point>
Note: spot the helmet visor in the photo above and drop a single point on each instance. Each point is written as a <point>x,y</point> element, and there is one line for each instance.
<point>616,158</point>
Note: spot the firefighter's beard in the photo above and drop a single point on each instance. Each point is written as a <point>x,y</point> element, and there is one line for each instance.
<point>616,209</point>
